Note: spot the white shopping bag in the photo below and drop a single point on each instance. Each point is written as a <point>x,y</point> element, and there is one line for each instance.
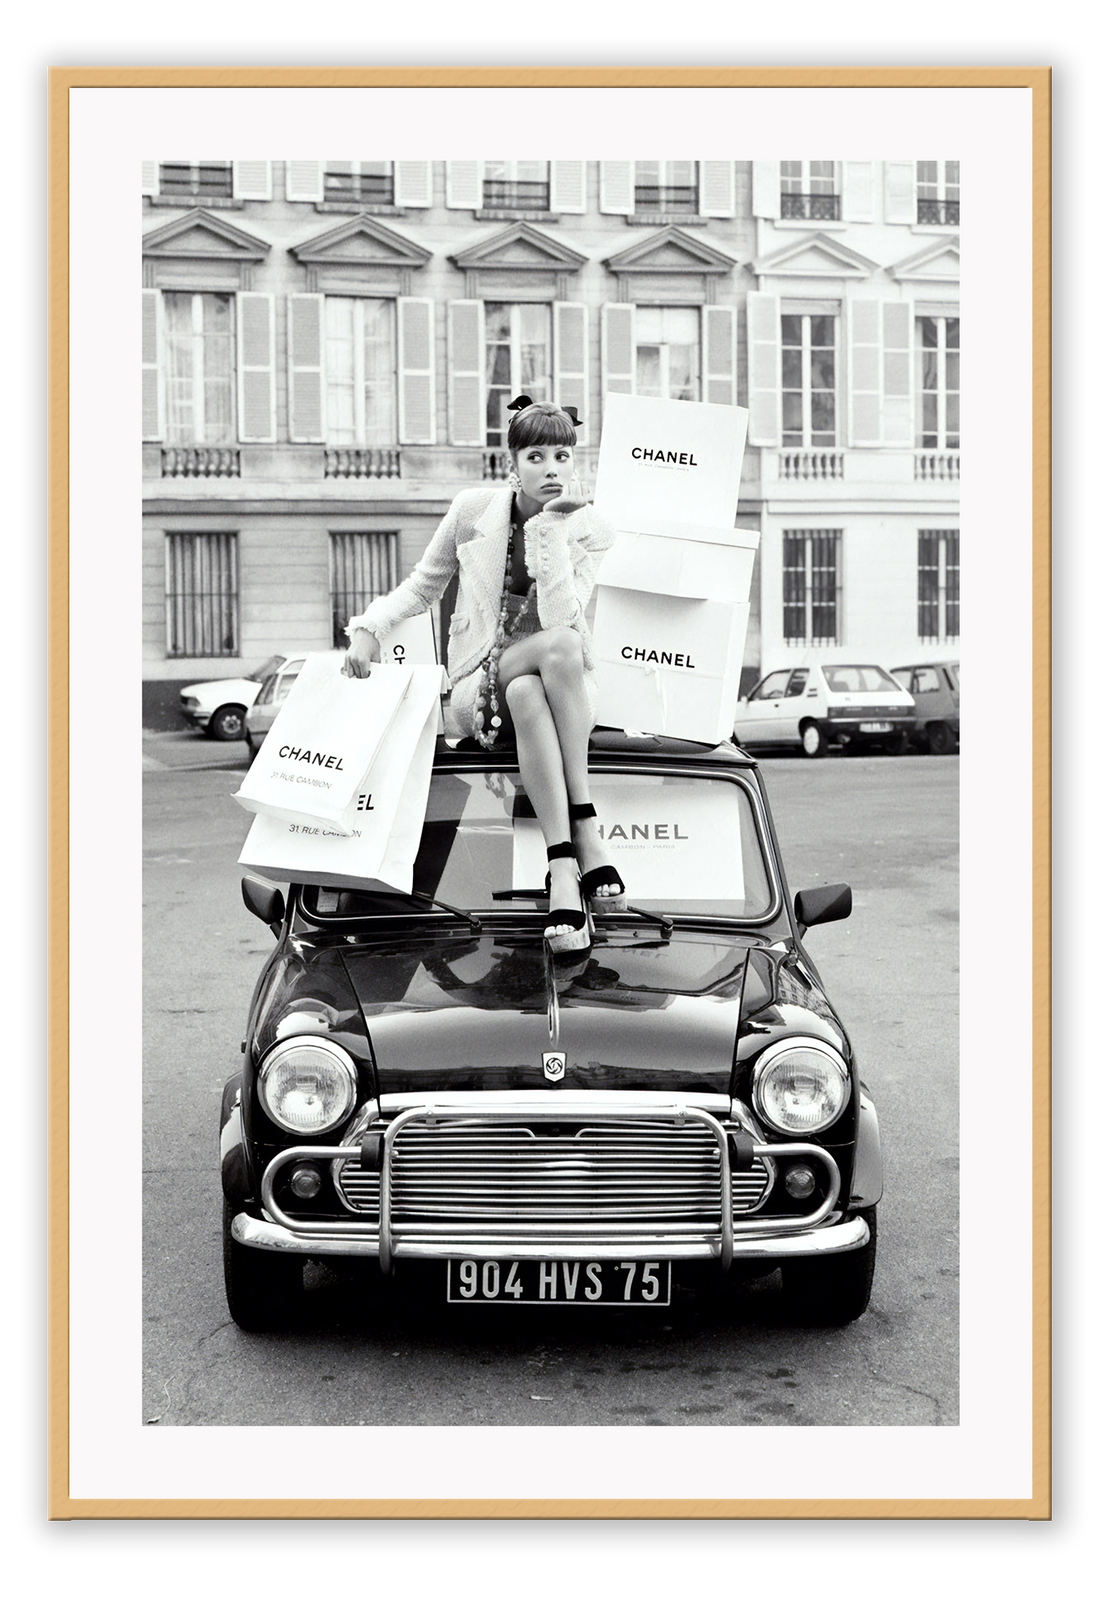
<point>324,739</point>
<point>379,848</point>
<point>412,640</point>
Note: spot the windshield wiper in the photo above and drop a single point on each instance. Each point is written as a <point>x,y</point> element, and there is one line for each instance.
<point>459,912</point>
<point>662,920</point>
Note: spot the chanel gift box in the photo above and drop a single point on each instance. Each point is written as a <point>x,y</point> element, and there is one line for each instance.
<point>672,597</point>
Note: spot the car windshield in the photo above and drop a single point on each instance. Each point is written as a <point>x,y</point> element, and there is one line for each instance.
<point>954,671</point>
<point>858,679</point>
<point>266,668</point>
<point>683,844</point>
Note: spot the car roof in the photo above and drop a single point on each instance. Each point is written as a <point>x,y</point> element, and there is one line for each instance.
<point>610,743</point>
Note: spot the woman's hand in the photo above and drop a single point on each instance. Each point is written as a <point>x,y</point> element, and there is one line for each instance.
<point>575,497</point>
<point>364,649</point>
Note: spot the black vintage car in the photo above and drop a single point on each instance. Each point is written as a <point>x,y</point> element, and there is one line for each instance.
<point>423,1081</point>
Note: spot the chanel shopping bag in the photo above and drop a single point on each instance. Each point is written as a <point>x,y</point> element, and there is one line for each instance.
<point>311,765</point>
<point>377,844</point>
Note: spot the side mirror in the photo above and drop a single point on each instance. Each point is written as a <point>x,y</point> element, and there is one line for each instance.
<point>264,899</point>
<point>823,904</point>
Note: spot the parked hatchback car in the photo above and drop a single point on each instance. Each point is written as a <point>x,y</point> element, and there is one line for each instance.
<point>934,686</point>
<point>219,707</point>
<point>425,1085</point>
<point>823,702</point>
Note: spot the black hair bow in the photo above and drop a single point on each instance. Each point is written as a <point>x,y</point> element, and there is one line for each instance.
<point>524,402</point>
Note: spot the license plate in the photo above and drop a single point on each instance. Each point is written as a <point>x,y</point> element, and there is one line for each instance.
<point>559,1282</point>
<point>875,727</point>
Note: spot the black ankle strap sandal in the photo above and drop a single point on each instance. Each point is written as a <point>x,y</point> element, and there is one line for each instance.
<point>595,877</point>
<point>579,934</point>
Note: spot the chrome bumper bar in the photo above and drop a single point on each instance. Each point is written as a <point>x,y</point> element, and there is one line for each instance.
<point>748,1239</point>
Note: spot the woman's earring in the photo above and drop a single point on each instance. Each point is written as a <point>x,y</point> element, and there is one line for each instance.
<point>514,482</point>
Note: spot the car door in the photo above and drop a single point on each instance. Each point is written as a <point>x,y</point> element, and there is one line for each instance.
<point>791,708</point>
<point>757,722</point>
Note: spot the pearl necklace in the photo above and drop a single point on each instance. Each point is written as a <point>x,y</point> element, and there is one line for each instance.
<point>487,718</point>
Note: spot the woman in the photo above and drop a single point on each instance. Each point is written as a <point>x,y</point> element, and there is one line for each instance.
<point>519,651</point>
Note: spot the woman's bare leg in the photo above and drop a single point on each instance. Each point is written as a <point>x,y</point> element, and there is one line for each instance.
<point>540,766</point>
<point>554,658</point>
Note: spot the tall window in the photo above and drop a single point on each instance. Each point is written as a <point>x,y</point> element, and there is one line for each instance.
<point>939,342</point>
<point>517,360</point>
<point>360,372</point>
<point>666,342</point>
<point>937,192</point>
<point>811,586</point>
<point>360,181</point>
<point>362,565</point>
<point>809,380</point>
<point>666,187</point>
<point>201,593</point>
<point>523,186</point>
<point>938,586</point>
<point>808,190</point>
<point>200,368</point>
<point>186,179</point>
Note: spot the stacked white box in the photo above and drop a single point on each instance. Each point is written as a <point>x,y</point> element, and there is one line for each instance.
<point>672,598</point>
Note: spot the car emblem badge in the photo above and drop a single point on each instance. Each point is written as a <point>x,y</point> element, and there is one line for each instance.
<point>553,1066</point>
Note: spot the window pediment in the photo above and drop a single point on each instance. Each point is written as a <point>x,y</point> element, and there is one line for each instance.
<point>938,261</point>
<point>816,257</point>
<point>365,242</point>
<point>670,251</point>
<point>520,247</point>
<point>200,234</point>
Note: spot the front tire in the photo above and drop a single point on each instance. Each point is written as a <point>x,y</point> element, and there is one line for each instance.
<point>941,741</point>
<point>253,744</point>
<point>832,1290</point>
<point>263,1291</point>
<point>813,741</point>
<point>227,723</point>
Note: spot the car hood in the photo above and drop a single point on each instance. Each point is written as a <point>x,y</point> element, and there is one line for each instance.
<point>239,691</point>
<point>479,1015</point>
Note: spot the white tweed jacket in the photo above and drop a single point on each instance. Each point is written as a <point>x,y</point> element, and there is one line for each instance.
<point>562,552</point>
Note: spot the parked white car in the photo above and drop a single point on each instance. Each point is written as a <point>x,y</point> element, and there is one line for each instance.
<point>218,707</point>
<point>818,702</point>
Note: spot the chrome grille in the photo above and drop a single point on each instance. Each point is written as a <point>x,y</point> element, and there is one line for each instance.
<point>621,1172</point>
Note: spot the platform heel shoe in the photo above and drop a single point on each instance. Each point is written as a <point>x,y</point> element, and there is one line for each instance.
<point>591,882</point>
<point>578,938</point>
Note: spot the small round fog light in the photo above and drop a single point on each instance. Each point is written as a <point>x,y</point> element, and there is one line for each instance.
<point>306,1182</point>
<point>800,1181</point>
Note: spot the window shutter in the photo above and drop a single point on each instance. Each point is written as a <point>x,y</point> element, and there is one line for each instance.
<point>765,350</point>
<point>466,372</point>
<point>305,367</point>
<point>901,192</point>
<point>256,366</point>
<point>617,187</point>
<point>716,189</point>
<point>719,355</point>
<point>150,178</point>
<point>305,182</point>
<point>619,357</point>
<point>897,373</point>
<point>857,194</point>
<point>567,187</point>
<point>252,181</point>
<point>765,189</point>
<point>864,372</point>
<point>412,184</point>
<point>571,359</point>
<point>416,369</point>
<point>464,184</point>
<point>152,369</point>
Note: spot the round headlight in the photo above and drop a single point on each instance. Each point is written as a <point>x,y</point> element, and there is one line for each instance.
<point>801,1086</point>
<point>307,1085</point>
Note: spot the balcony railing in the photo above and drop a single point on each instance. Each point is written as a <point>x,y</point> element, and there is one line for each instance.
<point>520,195</point>
<point>364,189</point>
<point>200,461</point>
<point>354,463</point>
<point>495,464</point>
<point>666,199</point>
<point>934,210</point>
<point>936,467</point>
<point>811,465</point>
<point>793,205</point>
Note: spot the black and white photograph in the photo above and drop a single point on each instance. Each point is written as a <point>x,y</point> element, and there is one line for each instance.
<point>550,589</point>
